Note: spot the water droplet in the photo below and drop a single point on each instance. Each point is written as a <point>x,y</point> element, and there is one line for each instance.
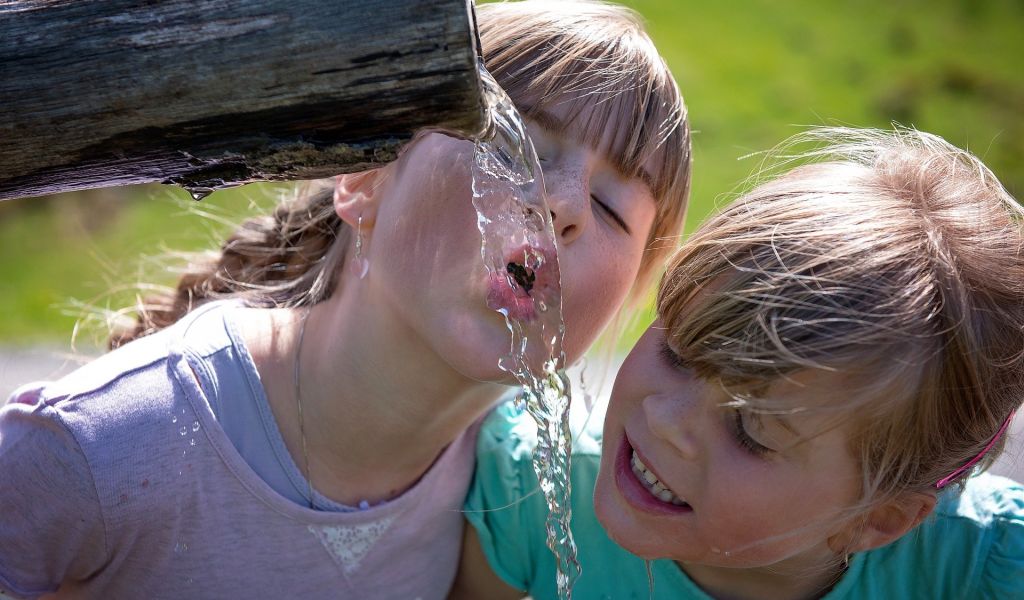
<point>195,426</point>
<point>183,430</point>
<point>174,418</point>
<point>180,547</point>
<point>198,192</point>
<point>542,306</point>
<point>534,260</point>
<point>192,442</point>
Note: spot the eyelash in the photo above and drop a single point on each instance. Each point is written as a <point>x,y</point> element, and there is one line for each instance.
<point>743,438</point>
<point>611,213</point>
<point>670,356</point>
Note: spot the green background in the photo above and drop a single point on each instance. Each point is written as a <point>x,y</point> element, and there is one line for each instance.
<point>752,74</point>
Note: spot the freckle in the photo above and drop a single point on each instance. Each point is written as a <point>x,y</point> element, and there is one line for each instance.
<point>145,483</point>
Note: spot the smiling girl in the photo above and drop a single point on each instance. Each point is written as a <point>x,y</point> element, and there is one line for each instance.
<point>298,419</point>
<point>836,355</point>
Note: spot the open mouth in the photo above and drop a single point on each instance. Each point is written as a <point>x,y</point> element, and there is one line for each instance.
<point>641,487</point>
<point>522,274</point>
<point>652,484</point>
<point>525,286</point>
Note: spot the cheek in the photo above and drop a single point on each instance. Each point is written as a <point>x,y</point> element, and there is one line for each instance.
<point>760,519</point>
<point>595,284</point>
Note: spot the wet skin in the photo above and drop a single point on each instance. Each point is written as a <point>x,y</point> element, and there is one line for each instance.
<point>424,249</point>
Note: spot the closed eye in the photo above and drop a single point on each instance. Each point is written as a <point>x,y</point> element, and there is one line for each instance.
<point>744,439</point>
<point>673,359</point>
<point>612,214</point>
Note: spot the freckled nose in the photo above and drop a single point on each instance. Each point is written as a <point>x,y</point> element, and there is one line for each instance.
<point>568,200</point>
<point>673,420</point>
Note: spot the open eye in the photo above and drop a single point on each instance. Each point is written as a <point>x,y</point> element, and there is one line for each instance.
<point>614,216</point>
<point>743,438</point>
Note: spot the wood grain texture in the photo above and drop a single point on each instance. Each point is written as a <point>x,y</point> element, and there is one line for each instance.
<point>206,93</point>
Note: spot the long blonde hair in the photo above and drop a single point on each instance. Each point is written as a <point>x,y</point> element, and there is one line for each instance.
<point>589,54</point>
<point>897,258</point>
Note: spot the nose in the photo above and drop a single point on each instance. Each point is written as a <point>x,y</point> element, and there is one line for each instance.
<point>675,420</point>
<point>568,190</point>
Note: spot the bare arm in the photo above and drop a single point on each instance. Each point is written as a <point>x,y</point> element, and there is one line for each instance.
<point>476,579</point>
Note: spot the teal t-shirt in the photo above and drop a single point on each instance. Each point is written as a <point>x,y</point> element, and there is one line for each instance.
<point>971,547</point>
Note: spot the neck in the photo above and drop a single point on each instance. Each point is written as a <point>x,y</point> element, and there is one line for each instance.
<point>781,581</point>
<point>377,407</point>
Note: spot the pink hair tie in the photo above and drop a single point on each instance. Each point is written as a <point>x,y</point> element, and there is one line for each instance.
<point>942,482</point>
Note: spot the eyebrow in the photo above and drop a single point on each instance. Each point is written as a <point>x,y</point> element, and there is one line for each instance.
<point>552,123</point>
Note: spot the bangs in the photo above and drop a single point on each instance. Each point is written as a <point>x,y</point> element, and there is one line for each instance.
<point>618,88</point>
<point>597,65</point>
<point>769,288</point>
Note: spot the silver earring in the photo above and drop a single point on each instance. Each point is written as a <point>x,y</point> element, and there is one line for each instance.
<point>362,265</point>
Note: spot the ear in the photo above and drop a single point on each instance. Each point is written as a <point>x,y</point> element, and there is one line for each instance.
<point>355,197</point>
<point>884,523</point>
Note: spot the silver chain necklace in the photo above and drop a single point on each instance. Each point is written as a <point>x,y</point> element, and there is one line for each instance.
<point>298,403</point>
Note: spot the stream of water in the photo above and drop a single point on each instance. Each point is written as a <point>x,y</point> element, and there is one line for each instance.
<point>519,252</point>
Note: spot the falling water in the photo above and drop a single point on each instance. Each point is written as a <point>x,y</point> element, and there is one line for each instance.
<point>518,248</point>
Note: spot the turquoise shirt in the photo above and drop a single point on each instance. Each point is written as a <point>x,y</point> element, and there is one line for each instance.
<point>972,546</point>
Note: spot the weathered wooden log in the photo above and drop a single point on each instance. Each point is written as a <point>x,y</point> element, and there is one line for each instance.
<point>209,93</point>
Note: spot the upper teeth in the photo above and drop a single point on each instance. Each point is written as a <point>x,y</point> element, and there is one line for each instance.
<point>653,485</point>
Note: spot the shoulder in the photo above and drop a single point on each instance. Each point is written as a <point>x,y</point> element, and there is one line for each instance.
<point>52,523</point>
<point>128,386</point>
<point>508,436</point>
<point>507,431</point>
<point>992,508</point>
<point>506,507</point>
<point>987,500</point>
<point>108,390</point>
<point>974,540</point>
<point>504,462</point>
<point>121,413</point>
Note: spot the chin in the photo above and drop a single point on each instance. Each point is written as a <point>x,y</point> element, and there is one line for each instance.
<point>481,367</point>
<point>631,539</point>
<point>612,517</point>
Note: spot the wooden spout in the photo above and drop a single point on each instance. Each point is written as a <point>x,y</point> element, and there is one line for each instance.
<point>210,93</point>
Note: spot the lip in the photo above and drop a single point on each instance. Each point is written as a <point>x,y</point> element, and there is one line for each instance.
<point>635,494</point>
<point>505,295</point>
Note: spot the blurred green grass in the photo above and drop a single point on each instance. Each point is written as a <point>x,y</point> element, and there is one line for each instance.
<point>752,72</point>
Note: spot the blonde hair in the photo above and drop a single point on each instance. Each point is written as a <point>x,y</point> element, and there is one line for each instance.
<point>897,260</point>
<point>596,62</point>
<point>592,55</point>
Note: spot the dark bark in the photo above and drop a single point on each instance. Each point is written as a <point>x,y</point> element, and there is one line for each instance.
<point>207,93</point>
